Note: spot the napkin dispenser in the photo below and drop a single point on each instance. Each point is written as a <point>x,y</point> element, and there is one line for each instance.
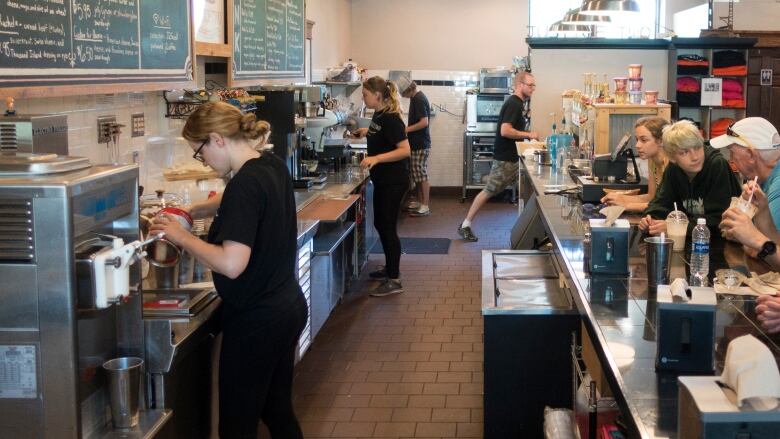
<point>707,410</point>
<point>609,247</point>
<point>685,330</point>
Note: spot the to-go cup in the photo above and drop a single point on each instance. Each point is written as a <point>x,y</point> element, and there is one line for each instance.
<point>677,228</point>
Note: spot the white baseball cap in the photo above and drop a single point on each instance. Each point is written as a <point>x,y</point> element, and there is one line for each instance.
<point>755,132</point>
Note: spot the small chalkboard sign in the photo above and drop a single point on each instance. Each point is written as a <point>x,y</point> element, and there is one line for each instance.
<point>268,39</point>
<point>77,42</point>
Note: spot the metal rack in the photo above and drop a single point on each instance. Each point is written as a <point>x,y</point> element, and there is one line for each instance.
<point>477,160</point>
<point>595,403</point>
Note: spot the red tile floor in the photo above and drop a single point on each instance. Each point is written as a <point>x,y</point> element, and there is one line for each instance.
<point>408,365</point>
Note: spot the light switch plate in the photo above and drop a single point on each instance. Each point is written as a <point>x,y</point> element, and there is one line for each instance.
<point>104,128</point>
<point>138,124</point>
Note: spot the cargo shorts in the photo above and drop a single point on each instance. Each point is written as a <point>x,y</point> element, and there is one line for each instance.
<point>502,175</point>
<point>419,165</point>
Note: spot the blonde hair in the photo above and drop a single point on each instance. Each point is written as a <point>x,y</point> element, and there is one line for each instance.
<point>387,89</point>
<point>681,135</point>
<point>654,124</point>
<point>225,120</point>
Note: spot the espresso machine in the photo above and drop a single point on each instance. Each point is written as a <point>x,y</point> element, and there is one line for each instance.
<point>68,238</point>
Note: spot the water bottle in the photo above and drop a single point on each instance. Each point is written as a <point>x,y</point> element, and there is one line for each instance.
<point>552,149</point>
<point>700,254</point>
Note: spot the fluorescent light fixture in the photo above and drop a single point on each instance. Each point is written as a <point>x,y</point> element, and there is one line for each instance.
<point>574,17</point>
<point>609,8</point>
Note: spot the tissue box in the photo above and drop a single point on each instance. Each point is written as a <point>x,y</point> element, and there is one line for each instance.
<point>685,331</point>
<point>609,247</point>
<point>707,411</point>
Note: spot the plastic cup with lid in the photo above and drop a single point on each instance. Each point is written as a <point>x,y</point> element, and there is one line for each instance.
<point>676,228</point>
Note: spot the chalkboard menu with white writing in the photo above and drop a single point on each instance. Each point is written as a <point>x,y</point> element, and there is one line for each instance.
<point>268,39</point>
<point>61,42</point>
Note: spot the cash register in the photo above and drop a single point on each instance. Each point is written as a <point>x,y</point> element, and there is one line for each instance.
<point>609,171</point>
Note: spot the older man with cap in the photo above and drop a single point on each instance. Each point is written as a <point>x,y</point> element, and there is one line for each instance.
<point>419,134</point>
<point>754,146</point>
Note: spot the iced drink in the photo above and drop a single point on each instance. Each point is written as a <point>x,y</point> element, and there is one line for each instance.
<point>676,228</point>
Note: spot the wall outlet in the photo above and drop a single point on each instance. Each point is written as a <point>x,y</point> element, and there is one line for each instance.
<point>138,123</point>
<point>104,124</point>
<point>442,107</point>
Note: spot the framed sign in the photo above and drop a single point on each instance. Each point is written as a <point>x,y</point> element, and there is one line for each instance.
<point>766,76</point>
<point>711,91</point>
<point>209,19</point>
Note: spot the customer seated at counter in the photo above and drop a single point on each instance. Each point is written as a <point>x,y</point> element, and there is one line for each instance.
<point>698,179</point>
<point>648,132</point>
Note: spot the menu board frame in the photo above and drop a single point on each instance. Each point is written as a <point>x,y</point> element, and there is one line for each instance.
<point>246,72</point>
<point>149,42</point>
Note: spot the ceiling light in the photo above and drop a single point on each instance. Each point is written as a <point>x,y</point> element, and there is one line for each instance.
<point>569,29</point>
<point>610,8</point>
<point>574,17</point>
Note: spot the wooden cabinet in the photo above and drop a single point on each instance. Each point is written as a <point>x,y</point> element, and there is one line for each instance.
<point>612,121</point>
<point>764,100</point>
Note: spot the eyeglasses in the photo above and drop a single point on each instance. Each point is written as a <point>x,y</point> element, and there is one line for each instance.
<point>730,132</point>
<point>530,85</point>
<point>197,156</point>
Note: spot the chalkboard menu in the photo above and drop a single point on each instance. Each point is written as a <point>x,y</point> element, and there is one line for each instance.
<point>61,42</point>
<point>268,39</point>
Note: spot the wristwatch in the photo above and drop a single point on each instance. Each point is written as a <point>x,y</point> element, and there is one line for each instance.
<point>769,248</point>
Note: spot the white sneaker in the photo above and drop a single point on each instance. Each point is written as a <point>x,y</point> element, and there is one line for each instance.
<point>420,212</point>
<point>412,206</point>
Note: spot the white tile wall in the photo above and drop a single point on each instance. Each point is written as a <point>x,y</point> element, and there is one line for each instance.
<point>446,162</point>
<point>159,148</point>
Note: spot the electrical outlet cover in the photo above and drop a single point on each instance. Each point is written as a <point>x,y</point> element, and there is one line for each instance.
<point>138,125</point>
<point>104,128</point>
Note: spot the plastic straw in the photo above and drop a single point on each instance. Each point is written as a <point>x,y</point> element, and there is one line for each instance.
<point>752,191</point>
<point>663,236</point>
<point>675,206</point>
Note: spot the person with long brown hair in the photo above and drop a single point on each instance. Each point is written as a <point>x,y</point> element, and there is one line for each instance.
<point>648,131</point>
<point>387,160</point>
<point>251,251</point>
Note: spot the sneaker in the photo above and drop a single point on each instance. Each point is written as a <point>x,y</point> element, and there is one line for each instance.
<point>411,207</point>
<point>420,212</point>
<point>467,234</point>
<point>381,273</point>
<point>388,287</point>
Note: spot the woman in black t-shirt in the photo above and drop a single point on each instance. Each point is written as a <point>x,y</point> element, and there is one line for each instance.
<point>251,251</point>
<point>388,161</point>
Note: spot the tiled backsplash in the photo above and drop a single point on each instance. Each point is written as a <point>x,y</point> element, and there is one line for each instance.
<point>447,127</point>
<point>159,147</point>
<point>156,150</point>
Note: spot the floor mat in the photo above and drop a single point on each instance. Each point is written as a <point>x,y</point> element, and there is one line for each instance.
<point>419,246</point>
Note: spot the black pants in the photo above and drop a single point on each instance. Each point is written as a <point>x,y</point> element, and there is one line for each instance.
<point>387,205</point>
<point>256,373</point>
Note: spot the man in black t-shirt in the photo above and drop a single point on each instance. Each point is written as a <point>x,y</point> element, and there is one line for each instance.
<point>512,126</point>
<point>419,135</point>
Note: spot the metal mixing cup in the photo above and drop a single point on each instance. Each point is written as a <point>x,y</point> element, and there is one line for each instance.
<point>124,380</point>
<point>658,252</point>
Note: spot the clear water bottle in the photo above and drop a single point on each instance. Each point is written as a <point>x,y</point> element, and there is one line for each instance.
<point>700,254</point>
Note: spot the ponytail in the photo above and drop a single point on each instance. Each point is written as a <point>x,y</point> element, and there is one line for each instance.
<point>388,90</point>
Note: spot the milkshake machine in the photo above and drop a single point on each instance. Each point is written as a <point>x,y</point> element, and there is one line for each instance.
<point>69,238</point>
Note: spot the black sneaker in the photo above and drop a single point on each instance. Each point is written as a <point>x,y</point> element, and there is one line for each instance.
<point>388,287</point>
<point>467,234</point>
<point>378,274</point>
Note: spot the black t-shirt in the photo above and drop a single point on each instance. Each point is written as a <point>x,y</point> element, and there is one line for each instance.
<point>258,210</point>
<point>419,108</point>
<point>384,133</point>
<point>512,112</point>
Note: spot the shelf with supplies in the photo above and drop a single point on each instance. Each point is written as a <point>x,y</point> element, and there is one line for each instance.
<point>691,65</point>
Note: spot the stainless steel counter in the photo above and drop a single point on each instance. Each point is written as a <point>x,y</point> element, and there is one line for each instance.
<point>622,324</point>
<point>338,184</point>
